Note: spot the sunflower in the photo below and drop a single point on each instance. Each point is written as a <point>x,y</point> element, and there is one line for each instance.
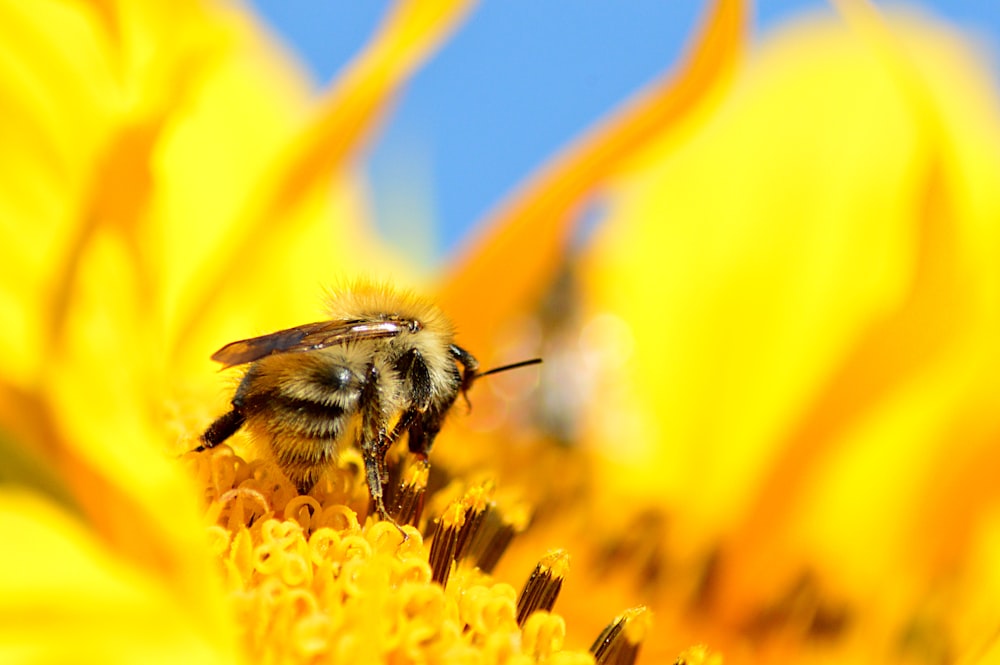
<point>770,373</point>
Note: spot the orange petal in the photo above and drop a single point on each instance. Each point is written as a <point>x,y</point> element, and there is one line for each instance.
<point>306,166</point>
<point>102,407</point>
<point>521,244</point>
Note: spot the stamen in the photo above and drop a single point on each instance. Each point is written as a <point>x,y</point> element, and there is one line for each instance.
<point>476,501</point>
<point>442,553</point>
<point>407,502</point>
<point>495,534</point>
<point>542,588</point>
<point>618,644</point>
<point>456,528</point>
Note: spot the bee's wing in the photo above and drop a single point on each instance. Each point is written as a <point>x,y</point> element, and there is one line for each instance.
<point>307,337</point>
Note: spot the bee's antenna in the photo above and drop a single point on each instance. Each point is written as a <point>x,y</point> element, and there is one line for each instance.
<point>469,377</point>
<point>504,368</point>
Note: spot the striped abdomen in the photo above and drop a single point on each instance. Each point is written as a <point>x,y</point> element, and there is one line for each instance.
<point>299,420</point>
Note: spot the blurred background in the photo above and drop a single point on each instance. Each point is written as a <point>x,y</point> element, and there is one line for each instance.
<point>519,81</point>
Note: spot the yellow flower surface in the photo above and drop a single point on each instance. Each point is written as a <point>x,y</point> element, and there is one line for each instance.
<point>765,428</point>
<point>312,584</point>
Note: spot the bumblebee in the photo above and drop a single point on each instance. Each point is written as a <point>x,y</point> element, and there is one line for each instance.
<point>384,365</point>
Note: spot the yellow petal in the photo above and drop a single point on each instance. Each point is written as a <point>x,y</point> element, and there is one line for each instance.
<point>66,598</point>
<point>284,214</point>
<point>55,59</point>
<point>810,287</point>
<point>86,381</point>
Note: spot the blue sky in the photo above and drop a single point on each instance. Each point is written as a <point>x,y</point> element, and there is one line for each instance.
<point>518,81</point>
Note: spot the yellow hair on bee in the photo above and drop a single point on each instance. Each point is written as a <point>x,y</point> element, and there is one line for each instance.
<point>378,299</point>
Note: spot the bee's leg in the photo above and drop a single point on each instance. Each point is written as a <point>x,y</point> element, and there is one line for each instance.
<point>373,477</point>
<point>227,424</point>
<point>468,361</point>
<point>424,430</point>
<point>373,437</point>
<point>220,430</point>
<point>402,425</point>
<point>470,367</point>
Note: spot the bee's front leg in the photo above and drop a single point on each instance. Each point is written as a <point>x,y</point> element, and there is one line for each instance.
<point>375,441</point>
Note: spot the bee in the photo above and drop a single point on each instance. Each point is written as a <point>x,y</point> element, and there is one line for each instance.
<point>385,364</point>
